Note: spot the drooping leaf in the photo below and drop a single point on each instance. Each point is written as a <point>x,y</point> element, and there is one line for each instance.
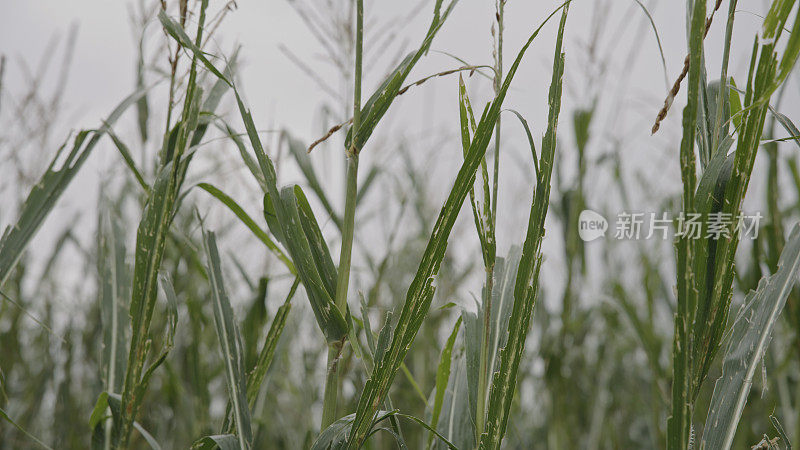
<point>49,188</point>
<point>128,158</point>
<point>248,221</point>
<point>176,31</point>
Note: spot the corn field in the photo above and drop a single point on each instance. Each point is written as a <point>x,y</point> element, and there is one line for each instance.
<point>436,224</point>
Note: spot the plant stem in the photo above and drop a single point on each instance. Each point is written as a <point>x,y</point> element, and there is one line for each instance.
<point>152,236</point>
<point>331,385</point>
<point>483,378</point>
<point>351,194</point>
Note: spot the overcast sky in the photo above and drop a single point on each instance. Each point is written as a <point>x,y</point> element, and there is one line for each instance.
<point>599,65</point>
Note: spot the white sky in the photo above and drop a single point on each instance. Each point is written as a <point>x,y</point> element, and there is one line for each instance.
<point>283,96</point>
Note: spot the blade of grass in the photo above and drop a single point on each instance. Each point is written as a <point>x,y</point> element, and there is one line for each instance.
<point>315,268</point>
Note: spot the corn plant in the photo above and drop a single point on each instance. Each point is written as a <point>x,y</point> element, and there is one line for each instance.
<point>706,267</point>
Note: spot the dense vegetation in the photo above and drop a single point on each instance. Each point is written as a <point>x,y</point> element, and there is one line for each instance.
<point>181,339</point>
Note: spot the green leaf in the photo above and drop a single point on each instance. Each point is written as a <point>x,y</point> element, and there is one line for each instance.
<point>420,293</point>
<point>4,416</point>
<point>473,334</point>
<point>115,292</point>
<point>112,403</point>
<point>256,377</point>
<point>432,430</point>
<point>319,249</point>
<point>231,344</point>
<point>248,160</point>
<point>247,221</point>
<point>504,380</point>
<point>505,273</point>
<point>377,105</point>
<point>49,188</point>
<point>298,150</point>
<point>711,307</point>
<point>172,310</point>
<point>749,338</point>
<point>467,120</point>
<point>221,441</point>
<point>735,105</point>
<point>679,423</point>
<point>308,250</point>
<point>151,441</point>
<point>126,156</point>
<point>335,436</point>
<point>176,31</point>
<point>788,125</point>
<point>582,135</point>
<point>442,377</point>
<point>456,423</point>
<point>772,29</point>
<point>115,289</point>
<point>658,39</point>
<point>502,302</point>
